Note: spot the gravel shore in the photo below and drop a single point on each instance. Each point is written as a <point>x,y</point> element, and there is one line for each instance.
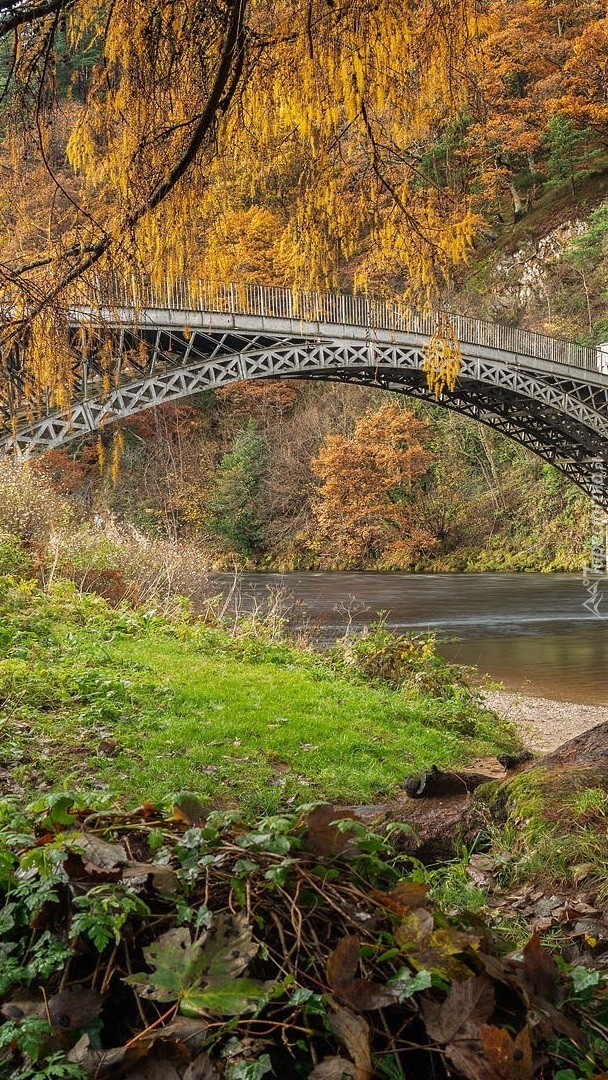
<point>545,724</point>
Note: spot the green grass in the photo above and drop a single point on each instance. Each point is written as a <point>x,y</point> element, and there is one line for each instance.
<point>236,719</point>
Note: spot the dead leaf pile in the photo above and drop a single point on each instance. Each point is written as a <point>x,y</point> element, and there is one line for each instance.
<point>199,947</point>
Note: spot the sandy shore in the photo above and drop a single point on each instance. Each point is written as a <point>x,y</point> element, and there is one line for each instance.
<point>545,724</point>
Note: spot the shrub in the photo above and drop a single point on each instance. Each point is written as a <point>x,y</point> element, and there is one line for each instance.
<point>30,509</point>
<point>13,557</point>
<point>400,659</point>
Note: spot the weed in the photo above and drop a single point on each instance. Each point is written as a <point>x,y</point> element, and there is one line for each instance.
<point>103,911</point>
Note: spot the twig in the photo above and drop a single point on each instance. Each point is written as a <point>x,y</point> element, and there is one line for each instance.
<point>151,1027</point>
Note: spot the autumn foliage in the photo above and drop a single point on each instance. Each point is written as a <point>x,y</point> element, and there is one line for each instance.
<point>368,484</point>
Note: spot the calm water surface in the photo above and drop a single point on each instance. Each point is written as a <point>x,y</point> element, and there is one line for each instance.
<point>530,631</point>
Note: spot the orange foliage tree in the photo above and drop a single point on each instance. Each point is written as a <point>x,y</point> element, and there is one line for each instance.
<point>369,483</point>
<point>541,59</point>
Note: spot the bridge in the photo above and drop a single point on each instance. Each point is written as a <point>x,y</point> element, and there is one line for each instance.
<point>140,346</point>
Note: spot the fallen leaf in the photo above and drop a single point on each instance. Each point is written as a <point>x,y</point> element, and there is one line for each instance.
<point>337,1068</point>
<point>192,1032</point>
<point>353,1033</point>
<point>163,878</point>
<point>541,971</point>
<point>343,961</point>
<point>470,1002</point>
<point>155,1069</point>
<point>202,1068</point>
<point>510,1058</point>
<point>235,997</point>
<point>168,1066</point>
<point>180,966</point>
<point>73,1008</point>
<point>466,1056</point>
<point>405,895</point>
<point>414,928</point>
<point>189,810</point>
<point>362,995</point>
<point>177,965</point>
<point>323,836</point>
<point>229,947</point>
<point>100,1063</point>
<point>101,852</point>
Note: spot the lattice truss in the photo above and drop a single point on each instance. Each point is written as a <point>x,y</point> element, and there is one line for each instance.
<point>558,411</point>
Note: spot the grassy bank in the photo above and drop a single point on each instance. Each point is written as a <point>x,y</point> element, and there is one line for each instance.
<point>141,705</point>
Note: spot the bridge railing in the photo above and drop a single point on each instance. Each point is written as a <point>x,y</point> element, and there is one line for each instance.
<point>337,308</point>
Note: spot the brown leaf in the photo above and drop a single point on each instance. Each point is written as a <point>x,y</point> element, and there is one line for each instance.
<point>22,1006</point>
<point>468,1003</point>
<point>337,1068</point>
<point>363,995</point>
<point>182,1029</point>
<point>100,873</point>
<point>353,1033</point>
<point>73,1009</point>
<point>466,1056</point>
<point>101,1063</point>
<point>202,1068</point>
<point>101,853</point>
<point>163,877</point>
<point>189,810</point>
<point>166,1062</point>
<point>541,971</point>
<point>360,994</point>
<point>323,836</point>
<point>343,962</point>
<point>510,1058</point>
<point>155,1068</point>
<point>405,895</point>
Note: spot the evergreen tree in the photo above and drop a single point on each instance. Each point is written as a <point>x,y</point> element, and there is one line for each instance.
<point>237,511</point>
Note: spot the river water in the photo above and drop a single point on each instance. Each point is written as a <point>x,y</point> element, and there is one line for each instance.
<point>529,631</point>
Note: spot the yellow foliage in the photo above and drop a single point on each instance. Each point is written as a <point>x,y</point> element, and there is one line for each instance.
<point>261,142</point>
<point>442,359</point>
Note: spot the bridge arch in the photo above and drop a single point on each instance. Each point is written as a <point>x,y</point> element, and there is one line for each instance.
<point>546,394</point>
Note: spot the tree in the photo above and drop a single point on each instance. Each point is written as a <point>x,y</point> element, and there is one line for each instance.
<point>369,482</point>
<point>540,59</point>
<point>237,505</point>
<point>189,109</point>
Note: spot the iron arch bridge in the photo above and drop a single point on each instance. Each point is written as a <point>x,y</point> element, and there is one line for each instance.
<point>165,345</point>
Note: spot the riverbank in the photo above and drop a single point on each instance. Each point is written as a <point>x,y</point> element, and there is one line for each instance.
<point>544,724</point>
<point>130,703</point>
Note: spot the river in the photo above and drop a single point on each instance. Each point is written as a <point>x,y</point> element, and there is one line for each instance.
<point>530,632</point>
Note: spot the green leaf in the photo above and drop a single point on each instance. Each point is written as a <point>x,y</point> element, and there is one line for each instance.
<point>244,866</point>
<point>178,965</point>
<point>249,1070</point>
<point>234,998</point>
<point>57,806</point>
<point>407,984</point>
<point>229,948</point>
<point>583,978</point>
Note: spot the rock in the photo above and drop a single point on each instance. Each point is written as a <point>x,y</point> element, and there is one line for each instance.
<point>439,783</point>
